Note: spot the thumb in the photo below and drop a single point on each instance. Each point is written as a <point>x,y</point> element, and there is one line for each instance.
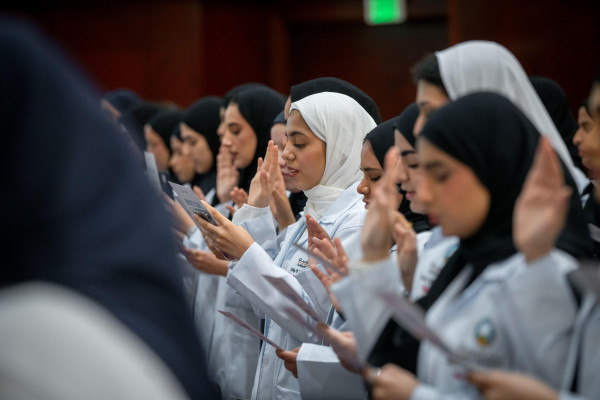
<point>213,211</point>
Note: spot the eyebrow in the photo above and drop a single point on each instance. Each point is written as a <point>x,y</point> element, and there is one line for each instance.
<point>433,165</point>
<point>295,133</point>
<point>368,169</point>
<point>423,103</point>
<point>407,152</point>
<point>233,124</point>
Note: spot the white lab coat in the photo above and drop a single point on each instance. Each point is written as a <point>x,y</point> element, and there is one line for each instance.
<point>505,319</point>
<point>584,355</point>
<point>433,257</point>
<point>204,293</point>
<point>344,220</point>
<point>365,312</point>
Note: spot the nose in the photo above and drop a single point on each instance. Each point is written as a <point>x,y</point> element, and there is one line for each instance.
<point>363,187</point>
<point>577,137</point>
<point>226,139</point>
<point>400,171</point>
<point>287,154</point>
<point>419,123</point>
<point>423,193</point>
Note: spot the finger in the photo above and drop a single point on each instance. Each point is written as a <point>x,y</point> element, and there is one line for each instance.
<point>216,214</point>
<point>264,180</point>
<point>198,192</point>
<point>259,165</point>
<point>339,248</point>
<point>320,275</point>
<point>231,209</point>
<point>479,379</point>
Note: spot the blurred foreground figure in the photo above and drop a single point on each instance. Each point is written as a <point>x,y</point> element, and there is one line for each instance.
<point>79,214</point>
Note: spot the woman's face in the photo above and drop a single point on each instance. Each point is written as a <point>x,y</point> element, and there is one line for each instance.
<point>181,165</point>
<point>156,146</point>
<point>451,192</point>
<point>408,172</point>
<point>197,149</point>
<point>239,137</point>
<point>587,140</point>
<point>429,98</point>
<point>278,137</point>
<point>304,153</point>
<point>372,171</point>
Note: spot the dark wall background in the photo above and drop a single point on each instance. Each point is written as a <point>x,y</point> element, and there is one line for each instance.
<point>180,50</point>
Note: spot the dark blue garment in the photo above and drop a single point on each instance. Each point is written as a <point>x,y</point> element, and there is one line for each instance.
<point>76,209</point>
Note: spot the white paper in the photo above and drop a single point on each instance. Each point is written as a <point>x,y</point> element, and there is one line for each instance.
<point>282,286</point>
<point>152,170</point>
<point>252,330</point>
<point>321,376</point>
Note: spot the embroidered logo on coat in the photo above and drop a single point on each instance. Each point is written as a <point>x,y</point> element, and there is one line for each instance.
<point>485,332</point>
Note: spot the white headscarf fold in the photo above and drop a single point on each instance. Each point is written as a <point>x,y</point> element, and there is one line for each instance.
<point>477,66</point>
<point>341,123</point>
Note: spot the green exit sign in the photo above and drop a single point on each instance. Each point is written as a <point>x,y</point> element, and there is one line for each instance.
<point>384,11</point>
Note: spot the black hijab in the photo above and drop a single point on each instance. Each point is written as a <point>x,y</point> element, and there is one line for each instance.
<point>381,139</point>
<point>244,86</point>
<point>259,106</point>
<point>98,226</point>
<point>163,123</point>
<point>405,123</point>
<point>122,99</point>
<point>336,85</point>
<point>136,117</point>
<point>203,117</point>
<point>556,103</point>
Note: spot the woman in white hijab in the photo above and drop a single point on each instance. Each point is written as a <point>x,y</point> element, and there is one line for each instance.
<point>483,66</point>
<point>324,139</point>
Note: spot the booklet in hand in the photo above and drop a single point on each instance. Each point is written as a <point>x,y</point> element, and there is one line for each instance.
<point>412,319</point>
<point>191,203</point>
<point>282,286</point>
<point>251,329</point>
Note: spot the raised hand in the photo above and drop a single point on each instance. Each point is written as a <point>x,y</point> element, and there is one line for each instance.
<point>406,242</point>
<point>226,236</point>
<point>280,204</point>
<point>227,175</point>
<point>240,197</point>
<point>315,231</point>
<point>376,237</point>
<point>289,360</point>
<point>542,207</point>
<point>205,261</point>
<point>263,182</point>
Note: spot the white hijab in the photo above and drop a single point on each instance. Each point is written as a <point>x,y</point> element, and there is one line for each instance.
<point>477,66</point>
<point>341,123</point>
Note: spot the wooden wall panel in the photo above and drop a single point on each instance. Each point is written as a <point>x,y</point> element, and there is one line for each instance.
<point>376,59</point>
<point>151,48</point>
<point>554,38</point>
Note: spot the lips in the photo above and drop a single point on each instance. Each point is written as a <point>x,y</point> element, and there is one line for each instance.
<point>293,172</point>
<point>410,195</point>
